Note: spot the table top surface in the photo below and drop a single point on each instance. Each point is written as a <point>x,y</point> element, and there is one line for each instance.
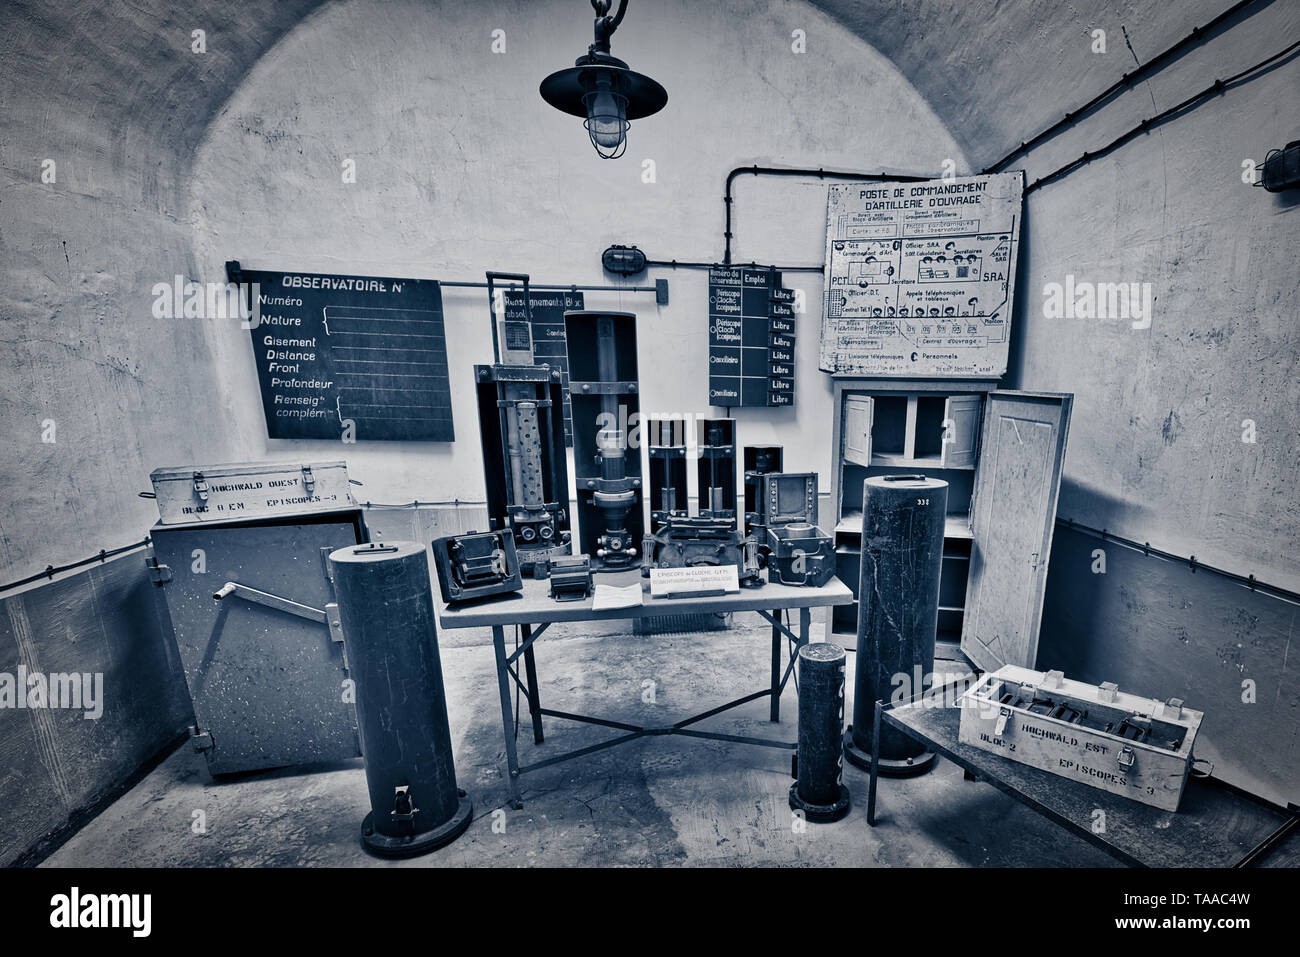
<point>1215,826</point>
<point>534,605</point>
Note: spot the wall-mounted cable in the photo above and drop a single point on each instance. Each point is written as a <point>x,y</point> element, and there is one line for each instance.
<point>728,200</point>
<point>1215,88</point>
<point>1198,34</point>
<point>1245,581</point>
<point>51,570</point>
<point>679,264</point>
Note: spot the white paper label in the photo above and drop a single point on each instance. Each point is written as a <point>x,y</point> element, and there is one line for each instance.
<point>697,578</point>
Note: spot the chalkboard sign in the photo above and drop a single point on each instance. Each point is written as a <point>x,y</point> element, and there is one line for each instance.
<point>751,338</point>
<point>358,355</point>
<point>547,332</point>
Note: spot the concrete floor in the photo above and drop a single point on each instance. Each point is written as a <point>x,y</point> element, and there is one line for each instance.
<point>657,801</point>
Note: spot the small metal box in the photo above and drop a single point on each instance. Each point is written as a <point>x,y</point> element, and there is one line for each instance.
<point>1136,747</point>
<point>570,577</point>
<point>800,554</point>
<point>249,490</point>
<point>477,565</point>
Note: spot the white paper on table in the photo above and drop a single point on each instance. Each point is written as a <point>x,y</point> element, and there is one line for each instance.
<point>616,596</point>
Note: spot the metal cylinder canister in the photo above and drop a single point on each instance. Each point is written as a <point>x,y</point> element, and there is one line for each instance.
<point>819,790</point>
<point>898,608</point>
<point>390,635</point>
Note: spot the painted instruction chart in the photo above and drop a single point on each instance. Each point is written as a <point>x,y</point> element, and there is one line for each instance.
<point>920,276</point>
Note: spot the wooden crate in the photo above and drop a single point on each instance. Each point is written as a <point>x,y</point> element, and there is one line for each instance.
<point>1136,747</point>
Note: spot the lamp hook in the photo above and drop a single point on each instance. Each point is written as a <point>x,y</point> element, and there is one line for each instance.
<point>605,24</point>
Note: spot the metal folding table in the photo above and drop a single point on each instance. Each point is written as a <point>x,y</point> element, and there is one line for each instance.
<point>533,611</point>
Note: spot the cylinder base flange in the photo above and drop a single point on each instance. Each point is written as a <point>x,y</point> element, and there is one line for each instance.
<point>888,767</point>
<point>821,813</point>
<point>411,845</point>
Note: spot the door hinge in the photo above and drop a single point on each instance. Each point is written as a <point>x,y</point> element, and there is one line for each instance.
<point>334,621</point>
<point>308,480</point>
<point>200,486</point>
<point>202,739</point>
<point>158,574</point>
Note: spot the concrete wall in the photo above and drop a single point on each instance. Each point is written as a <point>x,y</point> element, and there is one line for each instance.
<point>1159,628</point>
<point>1155,448</point>
<point>108,621</point>
<point>1156,451</point>
<point>113,95</point>
<point>462,168</point>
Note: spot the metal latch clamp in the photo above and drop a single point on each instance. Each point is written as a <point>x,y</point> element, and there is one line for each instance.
<point>1004,715</point>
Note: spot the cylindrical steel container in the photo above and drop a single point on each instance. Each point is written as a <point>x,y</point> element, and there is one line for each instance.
<point>819,790</point>
<point>898,609</point>
<point>390,636</point>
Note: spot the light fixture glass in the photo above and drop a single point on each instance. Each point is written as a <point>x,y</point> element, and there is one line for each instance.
<point>606,121</point>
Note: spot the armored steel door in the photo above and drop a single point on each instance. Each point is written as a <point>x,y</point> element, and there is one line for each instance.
<point>268,682</point>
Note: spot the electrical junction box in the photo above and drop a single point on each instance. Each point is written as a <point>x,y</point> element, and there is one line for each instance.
<point>1135,747</point>
<point>249,490</point>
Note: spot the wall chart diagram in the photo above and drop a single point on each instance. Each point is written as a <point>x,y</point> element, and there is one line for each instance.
<point>920,276</point>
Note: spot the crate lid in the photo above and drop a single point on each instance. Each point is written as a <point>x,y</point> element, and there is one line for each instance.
<point>186,472</point>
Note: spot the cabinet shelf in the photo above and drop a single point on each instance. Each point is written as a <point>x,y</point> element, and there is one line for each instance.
<point>898,460</point>
<point>956,525</point>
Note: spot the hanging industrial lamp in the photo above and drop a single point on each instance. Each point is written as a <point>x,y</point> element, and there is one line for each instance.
<point>602,90</point>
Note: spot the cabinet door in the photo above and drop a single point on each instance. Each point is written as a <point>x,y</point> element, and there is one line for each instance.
<point>857,429</point>
<point>961,419</point>
<point>1012,515</point>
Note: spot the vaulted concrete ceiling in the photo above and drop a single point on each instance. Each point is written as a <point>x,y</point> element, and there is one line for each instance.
<point>999,71</point>
<point>124,80</point>
<point>995,71</point>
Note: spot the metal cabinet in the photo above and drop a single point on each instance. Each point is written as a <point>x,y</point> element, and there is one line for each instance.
<point>1001,453</point>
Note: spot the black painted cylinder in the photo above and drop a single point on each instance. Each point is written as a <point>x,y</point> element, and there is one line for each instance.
<point>390,637</point>
<point>819,789</point>
<point>821,721</point>
<point>898,600</point>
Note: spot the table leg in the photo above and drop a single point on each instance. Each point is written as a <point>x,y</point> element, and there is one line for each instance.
<point>530,669</point>
<point>777,639</point>
<point>805,626</point>
<point>507,715</point>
